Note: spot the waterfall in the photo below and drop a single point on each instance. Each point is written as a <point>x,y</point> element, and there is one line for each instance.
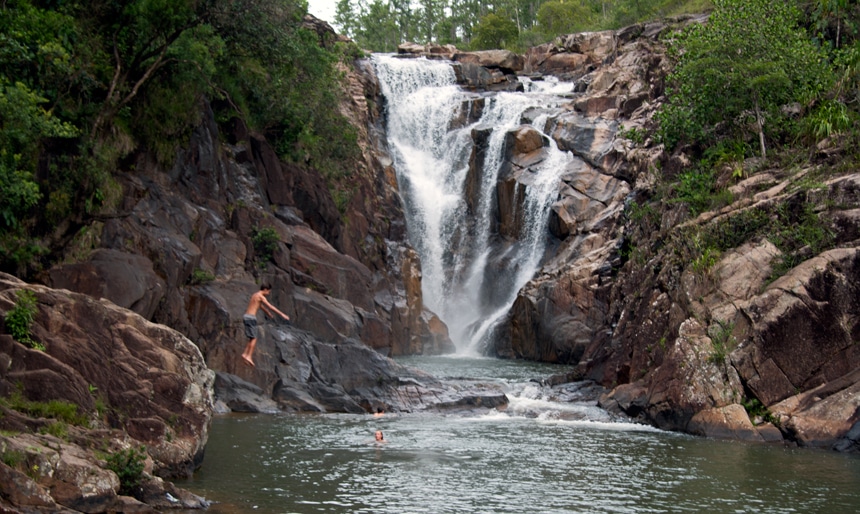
<point>471,275</point>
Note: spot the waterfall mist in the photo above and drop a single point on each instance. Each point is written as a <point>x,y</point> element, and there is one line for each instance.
<point>471,274</point>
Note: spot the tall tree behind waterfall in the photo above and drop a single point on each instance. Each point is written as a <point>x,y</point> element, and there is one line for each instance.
<point>428,19</point>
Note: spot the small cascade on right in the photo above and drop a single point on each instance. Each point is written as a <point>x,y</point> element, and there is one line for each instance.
<point>479,244</point>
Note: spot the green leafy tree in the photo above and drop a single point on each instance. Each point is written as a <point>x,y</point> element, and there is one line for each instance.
<point>427,19</point>
<point>563,17</point>
<point>346,17</point>
<point>84,83</point>
<point>380,29</point>
<point>141,38</point>
<point>827,13</point>
<point>279,77</point>
<point>494,31</point>
<point>737,70</point>
<point>23,122</point>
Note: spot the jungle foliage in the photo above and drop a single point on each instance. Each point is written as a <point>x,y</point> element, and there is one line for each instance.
<point>737,72</point>
<point>761,76</point>
<point>381,25</point>
<point>84,84</point>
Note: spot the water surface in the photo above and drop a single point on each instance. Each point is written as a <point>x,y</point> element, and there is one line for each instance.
<point>539,455</point>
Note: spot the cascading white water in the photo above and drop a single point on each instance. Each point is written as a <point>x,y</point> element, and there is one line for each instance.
<point>470,277</point>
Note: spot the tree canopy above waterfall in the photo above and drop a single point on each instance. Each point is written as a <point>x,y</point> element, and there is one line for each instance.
<point>380,25</point>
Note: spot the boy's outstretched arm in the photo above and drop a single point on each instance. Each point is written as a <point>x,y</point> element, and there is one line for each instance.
<point>269,305</point>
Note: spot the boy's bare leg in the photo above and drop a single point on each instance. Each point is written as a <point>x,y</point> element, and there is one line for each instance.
<point>249,350</point>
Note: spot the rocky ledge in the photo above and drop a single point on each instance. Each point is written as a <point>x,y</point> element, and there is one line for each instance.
<point>296,372</point>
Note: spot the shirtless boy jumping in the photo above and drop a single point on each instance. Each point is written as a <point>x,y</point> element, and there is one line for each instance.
<point>258,301</point>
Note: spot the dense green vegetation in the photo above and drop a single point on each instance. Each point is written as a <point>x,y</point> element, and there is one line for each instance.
<point>735,73</point>
<point>86,84</point>
<point>762,76</point>
<point>381,25</point>
<point>762,87</point>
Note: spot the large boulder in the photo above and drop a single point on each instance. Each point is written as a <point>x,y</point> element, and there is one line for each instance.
<point>571,56</point>
<point>430,50</point>
<point>590,139</point>
<point>805,369</point>
<point>131,383</point>
<point>505,60</point>
<point>98,353</point>
<point>474,77</point>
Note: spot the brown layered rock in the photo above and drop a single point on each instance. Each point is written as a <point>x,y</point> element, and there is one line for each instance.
<point>590,139</point>
<point>430,50</point>
<point>788,344</point>
<point>524,149</point>
<point>332,273</point>
<point>505,60</point>
<point>474,77</point>
<point>572,56</point>
<point>729,422</point>
<point>126,279</point>
<point>135,383</point>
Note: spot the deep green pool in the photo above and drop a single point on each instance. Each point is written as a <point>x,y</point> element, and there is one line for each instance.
<point>536,456</point>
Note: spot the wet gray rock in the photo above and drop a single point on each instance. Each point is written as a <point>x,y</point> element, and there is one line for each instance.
<point>233,394</point>
<point>126,279</point>
<point>302,373</point>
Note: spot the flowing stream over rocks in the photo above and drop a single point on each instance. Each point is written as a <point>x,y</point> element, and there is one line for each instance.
<point>448,147</point>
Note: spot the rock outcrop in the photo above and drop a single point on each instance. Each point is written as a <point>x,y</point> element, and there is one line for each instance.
<point>309,375</point>
<point>108,381</point>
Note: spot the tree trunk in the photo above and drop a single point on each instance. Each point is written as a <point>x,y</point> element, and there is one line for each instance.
<point>760,124</point>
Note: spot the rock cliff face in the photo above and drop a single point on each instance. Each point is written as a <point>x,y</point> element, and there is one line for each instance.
<point>684,346</point>
<point>188,245</point>
<point>182,251</point>
<point>627,295</point>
